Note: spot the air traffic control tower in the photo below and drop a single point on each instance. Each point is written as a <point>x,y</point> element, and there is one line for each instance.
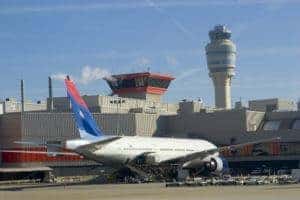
<point>145,85</point>
<point>221,56</point>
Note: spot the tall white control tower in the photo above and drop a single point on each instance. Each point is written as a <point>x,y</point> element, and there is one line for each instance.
<point>221,56</point>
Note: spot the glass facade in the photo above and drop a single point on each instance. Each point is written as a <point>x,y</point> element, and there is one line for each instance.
<point>139,82</point>
<point>158,83</point>
<point>272,125</point>
<point>296,124</point>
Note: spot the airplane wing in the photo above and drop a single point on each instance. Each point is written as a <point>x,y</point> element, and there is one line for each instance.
<point>190,156</point>
<point>203,154</point>
<point>238,146</point>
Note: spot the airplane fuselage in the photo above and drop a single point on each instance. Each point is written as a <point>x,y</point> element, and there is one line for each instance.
<point>125,149</point>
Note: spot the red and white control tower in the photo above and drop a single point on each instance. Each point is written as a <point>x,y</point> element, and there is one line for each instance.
<point>145,85</point>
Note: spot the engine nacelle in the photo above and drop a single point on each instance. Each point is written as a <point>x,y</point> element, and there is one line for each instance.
<point>194,164</point>
<point>216,164</point>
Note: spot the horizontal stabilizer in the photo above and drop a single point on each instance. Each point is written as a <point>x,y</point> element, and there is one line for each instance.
<point>97,144</point>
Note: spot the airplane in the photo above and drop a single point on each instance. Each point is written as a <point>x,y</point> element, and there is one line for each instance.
<point>127,151</point>
<point>119,151</point>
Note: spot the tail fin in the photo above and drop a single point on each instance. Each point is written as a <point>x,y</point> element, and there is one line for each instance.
<point>85,122</point>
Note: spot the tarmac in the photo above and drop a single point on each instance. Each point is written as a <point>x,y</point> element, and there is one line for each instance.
<point>149,191</point>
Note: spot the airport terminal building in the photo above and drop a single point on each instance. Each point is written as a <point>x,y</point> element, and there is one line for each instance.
<point>135,109</point>
<point>151,118</point>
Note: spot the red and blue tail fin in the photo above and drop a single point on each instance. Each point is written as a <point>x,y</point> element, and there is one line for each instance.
<point>85,122</point>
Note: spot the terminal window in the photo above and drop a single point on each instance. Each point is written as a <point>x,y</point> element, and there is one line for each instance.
<point>158,83</point>
<point>271,125</point>
<point>296,124</point>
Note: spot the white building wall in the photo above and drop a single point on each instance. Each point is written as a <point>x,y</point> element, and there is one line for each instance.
<point>112,104</point>
<point>1,108</point>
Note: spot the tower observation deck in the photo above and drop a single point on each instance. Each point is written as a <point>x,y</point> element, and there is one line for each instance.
<point>145,85</point>
<point>221,56</point>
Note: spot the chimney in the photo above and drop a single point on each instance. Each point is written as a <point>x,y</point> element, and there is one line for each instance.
<point>22,95</point>
<point>50,100</point>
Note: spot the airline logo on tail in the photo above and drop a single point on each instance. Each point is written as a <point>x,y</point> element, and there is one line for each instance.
<point>85,122</point>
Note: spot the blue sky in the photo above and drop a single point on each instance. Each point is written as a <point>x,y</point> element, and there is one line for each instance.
<point>42,38</point>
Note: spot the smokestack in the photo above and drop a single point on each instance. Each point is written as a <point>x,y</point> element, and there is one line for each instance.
<point>22,95</point>
<point>50,101</point>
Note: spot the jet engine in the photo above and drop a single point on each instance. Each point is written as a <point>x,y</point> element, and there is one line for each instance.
<point>211,164</point>
<point>216,164</point>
